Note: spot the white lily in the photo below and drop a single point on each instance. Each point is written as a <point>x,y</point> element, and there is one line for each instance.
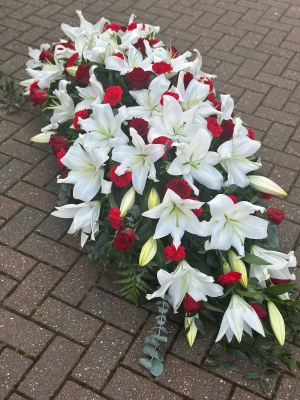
<point>175,217</point>
<point>239,317</point>
<point>91,95</point>
<point>195,67</point>
<point>265,185</point>
<point>134,60</point>
<point>86,216</point>
<point>231,224</point>
<point>86,171</point>
<point>65,110</point>
<point>139,159</point>
<point>43,137</point>
<point>227,105</point>
<point>194,161</point>
<point>239,128</point>
<point>185,279</point>
<point>85,27</point>
<point>35,62</point>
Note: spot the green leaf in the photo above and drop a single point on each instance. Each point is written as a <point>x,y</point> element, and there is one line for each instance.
<point>111,200</point>
<point>160,255</point>
<point>253,259</point>
<point>151,340</point>
<point>160,338</point>
<point>252,375</point>
<point>234,352</point>
<point>211,366</point>
<point>229,289</point>
<point>210,307</point>
<point>258,361</point>
<point>185,332</point>
<point>272,238</point>
<point>199,325</point>
<point>215,357</point>
<point>248,294</point>
<point>145,362</point>
<point>229,365</point>
<point>152,352</point>
<point>271,371</point>
<point>264,386</point>
<point>298,364</point>
<point>157,368</point>
<point>280,289</point>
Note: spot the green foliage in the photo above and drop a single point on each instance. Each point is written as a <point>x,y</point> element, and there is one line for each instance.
<point>12,95</point>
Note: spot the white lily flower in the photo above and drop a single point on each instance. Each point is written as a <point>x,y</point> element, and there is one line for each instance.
<point>35,62</point>
<point>134,60</point>
<point>85,27</point>
<point>239,317</point>
<point>139,159</point>
<point>232,223</point>
<point>86,171</point>
<point>227,105</point>
<point>239,129</point>
<point>278,268</point>
<point>194,161</point>
<point>86,216</point>
<point>65,110</point>
<point>234,161</point>
<point>104,45</point>
<point>175,217</point>
<point>91,95</point>
<point>185,279</point>
<point>194,67</point>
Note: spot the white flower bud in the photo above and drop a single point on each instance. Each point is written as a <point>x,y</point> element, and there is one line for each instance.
<point>192,333</point>
<point>265,185</point>
<point>148,252</point>
<point>277,323</point>
<point>237,265</point>
<point>153,199</point>
<point>127,201</point>
<point>42,137</point>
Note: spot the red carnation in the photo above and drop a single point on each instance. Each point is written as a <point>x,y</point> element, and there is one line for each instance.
<point>122,180</point>
<point>212,99</point>
<point>233,198</point>
<point>59,156</point>
<point>190,305</point>
<point>161,67</point>
<point>113,95</point>
<point>138,78</point>
<point>180,187</point>
<point>267,196</point>
<point>251,134</point>
<point>57,143</point>
<point>72,60</point>
<point>79,114</point>
<point>140,125</point>
<point>113,27</point>
<point>276,216</point>
<point>83,74</point>
<point>260,311</point>
<point>45,56</point>
<point>197,211</point>
<point>214,127</point>
<point>175,95</point>
<point>228,127</point>
<point>280,281</point>
<point>37,95</point>
<point>163,140</point>
<point>124,240</point>
<point>171,253</point>
<point>230,277</point>
<point>114,218</point>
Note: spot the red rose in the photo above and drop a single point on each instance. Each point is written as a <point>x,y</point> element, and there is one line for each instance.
<point>171,253</point>
<point>113,27</point>
<point>197,211</point>
<point>79,114</point>
<point>230,277</point>
<point>122,180</point>
<point>83,74</point>
<point>140,45</point>
<point>275,216</point>
<point>267,196</point>
<point>140,125</point>
<point>67,45</point>
<point>57,143</point>
<point>37,95</point>
<point>163,140</point>
<point>59,156</point>
<point>190,305</point>
<point>188,77</point>
<point>251,134</point>
<point>175,95</point>
<point>113,95</point>
<point>124,240</point>
<point>214,127</point>
<point>45,56</point>
<point>280,281</point>
<point>207,81</point>
<point>228,127</point>
<point>72,60</point>
<point>212,99</point>
<point>180,187</point>
<point>134,25</point>
<point>260,311</point>
<point>233,198</point>
<point>137,78</point>
<point>161,67</point>
<point>114,218</point>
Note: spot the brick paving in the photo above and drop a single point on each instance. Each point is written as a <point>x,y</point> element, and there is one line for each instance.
<point>65,334</point>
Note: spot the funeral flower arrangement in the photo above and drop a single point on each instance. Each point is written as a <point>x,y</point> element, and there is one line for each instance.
<point>160,175</point>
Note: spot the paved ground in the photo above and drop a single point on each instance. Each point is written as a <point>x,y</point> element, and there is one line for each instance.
<point>65,334</point>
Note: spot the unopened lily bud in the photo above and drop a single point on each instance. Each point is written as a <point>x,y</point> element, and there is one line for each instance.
<point>127,201</point>
<point>225,265</point>
<point>277,322</point>
<point>237,265</point>
<point>153,199</point>
<point>284,296</point>
<point>148,252</point>
<point>72,70</point>
<point>42,137</point>
<point>265,185</point>
<point>192,333</point>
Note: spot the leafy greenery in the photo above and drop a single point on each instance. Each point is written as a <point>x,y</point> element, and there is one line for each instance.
<point>13,95</point>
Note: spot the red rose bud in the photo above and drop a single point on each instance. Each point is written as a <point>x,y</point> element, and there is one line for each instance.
<point>175,95</point>
<point>122,180</point>
<point>280,281</point>
<point>140,45</point>
<point>71,60</point>
<point>113,95</point>
<point>113,27</point>
<point>137,78</point>
<point>171,253</point>
<point>57,143</point>
<point>161,67</point>
<point>260,311</point>
<point>267,196</point>
<point>45,56</point>
<point>251,134</point>
<point>79,114</point>
<point>190,305</point>
<point>180,187</point>
<point>197,211</point>
<point>214,127</point>
<point>230,277</point>
<point>37,95</point>
<point>114,218</point>
<point>140,125</point>
<point>83,74</point>
<point>166,141</point>
<point>228,127</point>
<point>59,156</point>
<point>233,198</point>
<point>275,216</point>
<point>124,240</point>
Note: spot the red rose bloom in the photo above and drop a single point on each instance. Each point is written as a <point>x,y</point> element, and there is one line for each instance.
<point>251,134</point>
<point>197,211</point>
<point>134,25</point>
<point>45,56</point>
<point>122,180</point>
<point>233,198</point>
<point>163,140</point>
<point>59,156</point>
<point>79,114</point>
<point>171,253</point>
<point>83,74</point>
<point>113,27</point>
<point>124,240</point>
<point>267,196</point>
<point>228,127</point>
<point>275,216</point>
<point>175,95</point>
<point>280,281</point>
<point>214,127</point>
<point>230,277</point>
<point>137,78</point>
<point>188,77</point>
<point>190,305</point>
<point>113,95</point>
<point>37,95</point>
<point>140,125</point>
<point>114,218</point>
<point>207,81</point>
<point>72,60</point>
<point>140,45</point>
<point>180,187</point>
<point>260,311</point>
<point>161,67</point>
<point>57,143</point>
